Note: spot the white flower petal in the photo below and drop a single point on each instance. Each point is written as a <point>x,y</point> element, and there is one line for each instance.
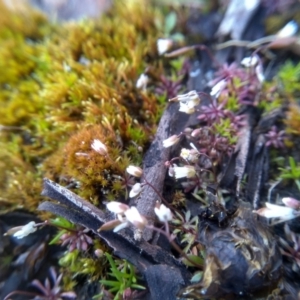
<point>142,81</point>
<point>186,171</point>
<point>121,226</point>
<point>117,207</point>
<point>250,61</point>
<point>172,140</point>
<point>288,30</point>
<point>163,213</point>
<point>217,89</point>
<point>99,147</point>
<point>185,108</point>
<point>164,45</point>
<point>134,217</point>
<point>136,190</point>
<point>277,211</point>
<point>134,171</point>
<point>25,230</point>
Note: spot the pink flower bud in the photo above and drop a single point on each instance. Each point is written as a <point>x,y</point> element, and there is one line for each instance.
<point>291,202</point>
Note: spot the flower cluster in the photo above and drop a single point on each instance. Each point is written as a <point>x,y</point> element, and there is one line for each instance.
<point>125,216</point>
<point>130,215</point>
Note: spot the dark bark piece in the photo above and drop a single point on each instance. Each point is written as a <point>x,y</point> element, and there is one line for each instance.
<point>164,282</point>
<point>65,196</point>
<point>256,172</point>
<point>172,122</point>
<point>240,258</point>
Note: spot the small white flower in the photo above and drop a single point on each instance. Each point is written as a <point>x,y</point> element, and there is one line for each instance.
<point>277,211</point>
<point>172,140</point>
<point>250,61</point>
<point>164,45</point>
<point>134,217</point>
<point>217,88</point>
<point>186,171</point>
<point>288,30</point>
<point>189,155</point>
<point>171,170</point>
<point>134,171</point>
<point>191,98</point>
<point>259,73</point>
<point>117,207</point>
<point>163,213</point>
<point>142,82</point>
<point>25,230</point>
<point>185,108</point>
<point>121,226</point>
<point>136,189</point>
<point>99,147</point>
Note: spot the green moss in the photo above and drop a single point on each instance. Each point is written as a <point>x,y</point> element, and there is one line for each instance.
<point>65,85</point>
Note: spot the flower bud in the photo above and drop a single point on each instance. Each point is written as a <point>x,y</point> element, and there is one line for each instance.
<point>164,45</point>
<point>172,140</point>
<point>21,231</point>
<point>163,213</point>
<point>291,202</point>
<point>142,81</point>
<point>134,171</point>
<point>136,189</point>
<point>99,147</point>
<point>117,207</point>
<point>134,217</point>
<point>186,171</point>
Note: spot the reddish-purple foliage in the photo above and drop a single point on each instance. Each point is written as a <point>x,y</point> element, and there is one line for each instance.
<point>77,239</point>
<point>275,138</point>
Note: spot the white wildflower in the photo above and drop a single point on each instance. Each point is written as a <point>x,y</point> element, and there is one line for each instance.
<point>189,155</point>
<point>121,226</point>
<point>250,61</point>
<point>163,213</point>
<point>288,30</point>
<point>276,211</point>
<point>142,82</point>
<point>134,171</point>
<point>99,147</point>
<point>217,88</point>
<point>185,108</point>
<point>134,217</point>
<point>164,45</point>
<point>117,207</point>
<point>191,98</point>
<point>186,171</point>
<point>136,189</point>
<point>259,73</point>
<point>25,230</point>
<point>171,170</point>
<point>172,140</point>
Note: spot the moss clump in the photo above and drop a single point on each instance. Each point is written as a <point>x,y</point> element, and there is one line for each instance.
<point>65,85</point>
